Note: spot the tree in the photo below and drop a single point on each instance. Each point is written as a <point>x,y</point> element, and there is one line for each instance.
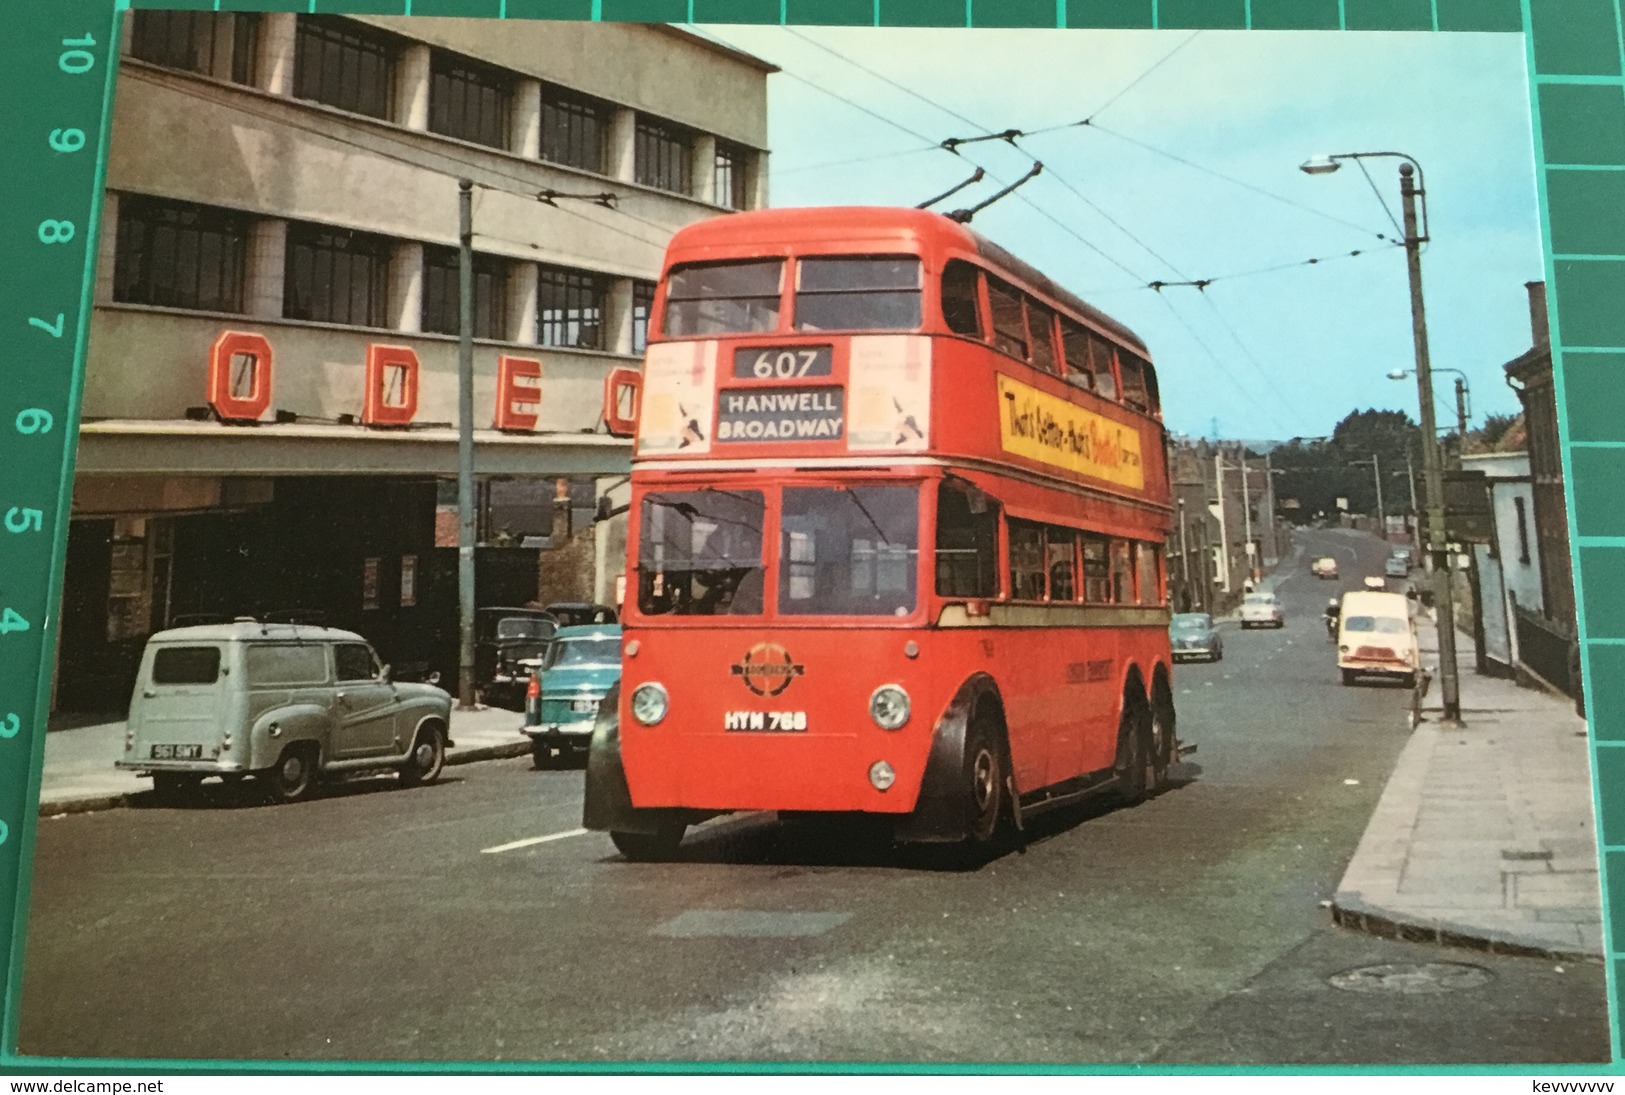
<point>1321,470</point>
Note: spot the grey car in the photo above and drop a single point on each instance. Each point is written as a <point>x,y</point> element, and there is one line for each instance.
<point>284,703</point>
<point>1194,635</point>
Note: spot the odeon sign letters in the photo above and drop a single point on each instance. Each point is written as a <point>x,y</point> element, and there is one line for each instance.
<point>241,371</point>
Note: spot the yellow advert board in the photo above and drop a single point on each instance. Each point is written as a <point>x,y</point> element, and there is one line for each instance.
<point>1053,431</point>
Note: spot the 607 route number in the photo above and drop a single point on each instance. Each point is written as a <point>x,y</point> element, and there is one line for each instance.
<point>782,362</point>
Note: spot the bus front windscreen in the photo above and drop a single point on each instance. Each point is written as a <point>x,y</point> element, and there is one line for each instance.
<point>700,553</point>
<point>721,298</point>
<point>849,551</point>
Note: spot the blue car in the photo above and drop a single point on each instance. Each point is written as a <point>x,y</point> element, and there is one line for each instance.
<point>582,664</point>
<point>1194,635</point>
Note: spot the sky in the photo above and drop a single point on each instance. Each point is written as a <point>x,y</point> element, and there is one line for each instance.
<point>1188,170</point>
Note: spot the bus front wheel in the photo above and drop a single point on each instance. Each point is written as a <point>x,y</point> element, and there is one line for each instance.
<point>984,782</point>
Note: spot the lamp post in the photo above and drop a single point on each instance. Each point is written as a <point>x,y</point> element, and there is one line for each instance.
<point>1376,472</point>
<point>1463,394</point>
<point>1411,187</point>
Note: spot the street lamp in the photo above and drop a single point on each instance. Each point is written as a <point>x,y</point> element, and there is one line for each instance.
<point>1463,394</point>
<point>1411,189</point>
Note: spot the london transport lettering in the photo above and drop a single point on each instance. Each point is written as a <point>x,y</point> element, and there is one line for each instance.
<point>1053,431</point>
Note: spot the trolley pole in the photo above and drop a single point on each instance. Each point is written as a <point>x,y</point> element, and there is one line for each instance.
<point>465,443</point>
<point>1224,535</point>
<point>1247,519</point>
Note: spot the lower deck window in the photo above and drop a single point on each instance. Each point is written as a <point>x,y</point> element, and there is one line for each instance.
<point>849,551</point>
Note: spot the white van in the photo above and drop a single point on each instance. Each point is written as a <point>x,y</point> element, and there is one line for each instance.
<point>1376,636</point>
<point>284,703</point>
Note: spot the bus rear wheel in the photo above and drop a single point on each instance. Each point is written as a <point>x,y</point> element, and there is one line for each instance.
<point>1133,753</point>
<point>655,847</point>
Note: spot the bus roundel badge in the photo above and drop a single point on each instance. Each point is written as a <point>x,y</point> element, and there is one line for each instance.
<point>767,669</point>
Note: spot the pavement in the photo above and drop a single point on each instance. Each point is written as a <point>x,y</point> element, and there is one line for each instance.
<point>79,775</point>
<point>1485,834</point>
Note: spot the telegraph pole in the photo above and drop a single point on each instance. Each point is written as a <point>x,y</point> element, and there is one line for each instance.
<point>1224,536</point>
<point>1432,466</point>
<point>465,443</point>
<point>1247,518</point>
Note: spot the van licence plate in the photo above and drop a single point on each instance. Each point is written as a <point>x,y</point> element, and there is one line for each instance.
<point>177,752</point>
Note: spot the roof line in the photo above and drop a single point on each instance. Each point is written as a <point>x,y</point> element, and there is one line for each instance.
<point>716,47</point>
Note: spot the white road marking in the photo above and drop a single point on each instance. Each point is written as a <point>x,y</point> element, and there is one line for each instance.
<point>527,842</point>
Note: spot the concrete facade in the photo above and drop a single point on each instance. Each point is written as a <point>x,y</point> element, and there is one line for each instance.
<point>240,120</point>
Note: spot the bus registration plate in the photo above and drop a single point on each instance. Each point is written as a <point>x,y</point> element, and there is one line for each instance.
<point>766,722</point>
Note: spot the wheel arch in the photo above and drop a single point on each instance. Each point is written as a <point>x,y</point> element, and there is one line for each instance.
<point>939,813</point>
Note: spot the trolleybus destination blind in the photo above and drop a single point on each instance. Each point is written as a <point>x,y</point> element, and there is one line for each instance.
<point>57,68</point>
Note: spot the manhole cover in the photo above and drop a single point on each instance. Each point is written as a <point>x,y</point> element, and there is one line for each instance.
<point>1412,978</point>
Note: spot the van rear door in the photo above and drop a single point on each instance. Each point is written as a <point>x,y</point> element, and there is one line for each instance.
<point>179,709</point>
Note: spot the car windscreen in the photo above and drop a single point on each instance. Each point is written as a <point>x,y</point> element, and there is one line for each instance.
<point>1189,623</point>
<point>849,551</point>
<point>700,552</point>
<point>524,627</point>
<point>186,665</point>
<point>587,650</point>
<point>718,298</point>
<point>1258,599</point>
<point>858,293</point>
<point>1380,625</point>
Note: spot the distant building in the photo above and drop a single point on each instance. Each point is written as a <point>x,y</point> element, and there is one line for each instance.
<point>1546,634</point>
<point>1508,566</point>
<point>1208,549</point>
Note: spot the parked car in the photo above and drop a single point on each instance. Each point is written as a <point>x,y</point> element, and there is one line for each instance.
<point>580,613</point>
<point>510,645</point>
<point>1377,636</point>
<point>583,663</point>
<point>1397,566</point>
<point>1324,567</point>
<point>285,703</point>
<point>1261,610</point>
<point>1194,635</point>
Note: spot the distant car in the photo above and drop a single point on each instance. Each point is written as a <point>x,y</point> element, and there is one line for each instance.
<point>1397,566</point>
<point>1374,583</point>
<point>582,664</point>
<point>1193,635</point>
<point>1261,610</point>
<point>1324,567</point>
<point>285,703</point>
<point>1377,636</point>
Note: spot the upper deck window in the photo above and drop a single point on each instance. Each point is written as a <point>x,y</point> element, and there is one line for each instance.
<point>961,309</point>
<point>868,293</point>
<point>1139,383</point>
<point>719,298</point>
<point>1009,319</point>
<point>1041,322</point>
<point>849,551</point>
<point>700,553</point>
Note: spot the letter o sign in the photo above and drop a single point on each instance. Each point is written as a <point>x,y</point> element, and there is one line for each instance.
<point>240,376</point>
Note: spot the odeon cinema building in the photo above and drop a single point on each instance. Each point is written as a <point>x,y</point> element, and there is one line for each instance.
<point>271,396</point>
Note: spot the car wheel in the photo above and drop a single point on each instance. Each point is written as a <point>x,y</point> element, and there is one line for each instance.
<point>427,758</point>
<point>654,847</point>
<point>1349,676</point>
<point>293,775</point>
<point>170,788</point>
<point>541,755</point>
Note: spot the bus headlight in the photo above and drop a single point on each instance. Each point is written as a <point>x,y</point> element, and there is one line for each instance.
<point>889,707</point>
<point>649,703</point>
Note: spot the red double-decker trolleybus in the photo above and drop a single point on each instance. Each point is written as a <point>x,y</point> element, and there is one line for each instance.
<point>895,543</point>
